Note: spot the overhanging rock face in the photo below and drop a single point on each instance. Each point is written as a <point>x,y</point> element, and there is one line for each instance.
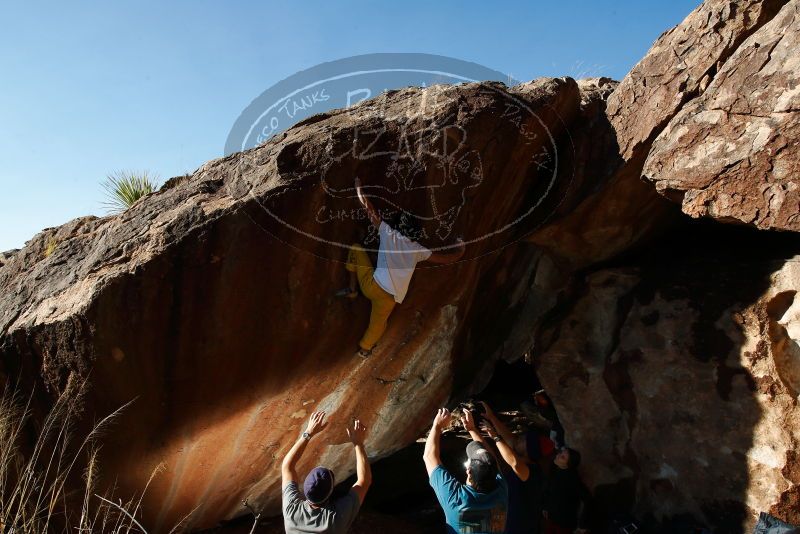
<point>211,302</point>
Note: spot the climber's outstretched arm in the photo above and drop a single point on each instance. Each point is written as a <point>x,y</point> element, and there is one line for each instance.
<point>372,213</point>
<point>432,456</point>
<point>449,257</point>
<point>315,425</point>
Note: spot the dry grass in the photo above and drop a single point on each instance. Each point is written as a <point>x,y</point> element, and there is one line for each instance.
<point>37,482</point>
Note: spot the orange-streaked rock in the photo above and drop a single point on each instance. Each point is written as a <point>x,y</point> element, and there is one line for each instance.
<point>222,322</point>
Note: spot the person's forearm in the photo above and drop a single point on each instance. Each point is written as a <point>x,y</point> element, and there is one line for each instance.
<point>372,215</point>
<point>432,443</point>
<point>363,200</point>
<point>475,435</point>
<point>458,253</point>
<point>295,453</point>
<point>363,469</point>
<point>507,453</point>
<point>452,257</point>
<point>519,467</point>
<point>501,428</point>
<point>446,257</point>
<point>581,515</point>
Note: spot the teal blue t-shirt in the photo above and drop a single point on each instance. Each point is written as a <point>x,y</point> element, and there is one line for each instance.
<point>466,510</point>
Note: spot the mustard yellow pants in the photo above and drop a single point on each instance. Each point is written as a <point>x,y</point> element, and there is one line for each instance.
<point>382,302</point>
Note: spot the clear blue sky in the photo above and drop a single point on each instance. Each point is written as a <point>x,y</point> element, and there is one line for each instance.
<point>87,88</point>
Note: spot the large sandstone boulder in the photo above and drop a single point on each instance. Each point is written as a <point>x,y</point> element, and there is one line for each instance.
<point>211,301</point>
<point>731,154</point>
<point>607,208</point>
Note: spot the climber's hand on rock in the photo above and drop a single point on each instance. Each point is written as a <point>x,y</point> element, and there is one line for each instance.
<point>469,422</point>
<point>316,423</point>
<point>357,432</point>
<point>442,418</point>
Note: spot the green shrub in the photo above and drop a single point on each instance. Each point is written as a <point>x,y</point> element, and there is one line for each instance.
<point>124,188</point>
<point>50,246</point>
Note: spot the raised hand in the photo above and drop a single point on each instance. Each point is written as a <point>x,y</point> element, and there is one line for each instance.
<point>488,412</point>
<point>316,423</point>
<point>357,432</point>
<point>488,429</point>
<point>442,418</point>
<point>469,421</point>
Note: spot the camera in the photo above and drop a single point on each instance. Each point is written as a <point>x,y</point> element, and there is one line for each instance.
<point>475,408</point>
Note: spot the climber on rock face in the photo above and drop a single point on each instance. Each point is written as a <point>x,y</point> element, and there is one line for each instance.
<point>479,506</point>
<point>398,255</point>
<point>318,512</point>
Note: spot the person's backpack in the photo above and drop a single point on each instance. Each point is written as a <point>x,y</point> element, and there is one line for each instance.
<point>768,524</point>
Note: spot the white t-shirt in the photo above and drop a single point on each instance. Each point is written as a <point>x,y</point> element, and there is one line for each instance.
<point>397,258</point>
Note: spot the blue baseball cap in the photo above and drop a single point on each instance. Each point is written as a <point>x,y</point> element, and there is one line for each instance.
<point>318,485</point>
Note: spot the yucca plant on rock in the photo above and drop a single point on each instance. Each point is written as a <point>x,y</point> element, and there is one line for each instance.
<point>124,188</point>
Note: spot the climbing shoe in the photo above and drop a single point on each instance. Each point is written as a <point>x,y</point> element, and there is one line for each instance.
<point>364,353</point>
<point>347,293</point>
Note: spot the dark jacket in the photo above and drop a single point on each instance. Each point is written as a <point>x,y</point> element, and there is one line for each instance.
<point>565,498</point>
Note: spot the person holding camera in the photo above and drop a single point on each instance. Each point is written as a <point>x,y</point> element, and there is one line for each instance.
<point>521,454</point>
<point>478,506</point>
<point>318,512</point>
